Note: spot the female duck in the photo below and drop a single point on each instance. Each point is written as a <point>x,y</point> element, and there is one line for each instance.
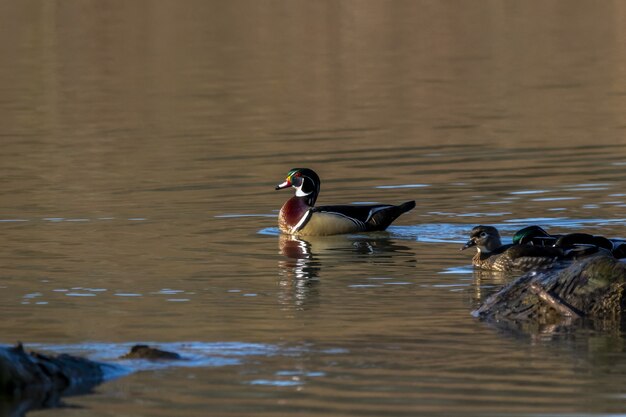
<point>493,255</point>
<point>299,216</point>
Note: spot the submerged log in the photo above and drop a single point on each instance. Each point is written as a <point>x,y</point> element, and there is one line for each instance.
<point>150,353</point>
<point>31,380</point>
<point>592,288</point>
<point>21,371</point>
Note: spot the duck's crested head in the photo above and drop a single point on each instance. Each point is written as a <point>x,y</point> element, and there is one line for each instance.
<point>304,180</point>
<point>485,238</point>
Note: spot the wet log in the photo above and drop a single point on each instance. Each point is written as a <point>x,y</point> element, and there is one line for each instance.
<point>21,371</point>
<point>592,288</point>
<point>30,380</point>
<point>150,353</point>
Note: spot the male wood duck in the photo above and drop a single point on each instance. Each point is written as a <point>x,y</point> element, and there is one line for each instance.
<point>299,216</point>
<point>493,255</point>
<point>576,243</point>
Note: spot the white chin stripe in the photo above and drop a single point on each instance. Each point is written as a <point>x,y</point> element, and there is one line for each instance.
<point>300,193</point>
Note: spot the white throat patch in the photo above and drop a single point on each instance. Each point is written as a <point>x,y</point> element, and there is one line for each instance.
<point>300,193</point>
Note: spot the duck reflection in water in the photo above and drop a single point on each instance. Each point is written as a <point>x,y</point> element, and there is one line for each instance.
<point>305,259</point>
<point>299,272</point>
<point>487,282</point>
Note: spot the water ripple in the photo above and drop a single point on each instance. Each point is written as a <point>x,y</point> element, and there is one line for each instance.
<point>403,186</point>
<point>457,232</point>
<point>193,354</point>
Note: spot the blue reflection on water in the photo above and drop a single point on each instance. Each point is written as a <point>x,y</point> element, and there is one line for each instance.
<point>457,232</point>
<point>403,186</point>
<point>193,354</point>
<point>276,383</point>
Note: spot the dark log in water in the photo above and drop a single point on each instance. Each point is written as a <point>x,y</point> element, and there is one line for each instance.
<point>591,288</point>
<point>150,353</point>
<point>31,380</point>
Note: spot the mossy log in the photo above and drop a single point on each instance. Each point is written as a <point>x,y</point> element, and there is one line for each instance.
<point>591,288</point>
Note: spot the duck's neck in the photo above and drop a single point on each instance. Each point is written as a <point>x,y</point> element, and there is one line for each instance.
<point>309,198</point>
<point>480,257</point>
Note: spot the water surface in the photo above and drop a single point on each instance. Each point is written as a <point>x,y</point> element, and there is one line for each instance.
<point>141,142</point>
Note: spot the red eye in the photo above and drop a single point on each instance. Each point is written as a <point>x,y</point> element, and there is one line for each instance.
<point>298,175</point>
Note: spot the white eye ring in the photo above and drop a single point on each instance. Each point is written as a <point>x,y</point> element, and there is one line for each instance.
<point>483,234</point>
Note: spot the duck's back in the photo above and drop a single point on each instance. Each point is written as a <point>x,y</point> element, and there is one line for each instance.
<point>373,217</point>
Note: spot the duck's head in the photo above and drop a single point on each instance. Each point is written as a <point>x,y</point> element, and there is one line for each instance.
<point>305,181</point>
<point>485,238</point>
<point>527,234</point>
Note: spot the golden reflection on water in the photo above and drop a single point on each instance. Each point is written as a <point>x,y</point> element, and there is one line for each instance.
<point>299,271</point>
<point>306,257</point>
<point>141,142</point>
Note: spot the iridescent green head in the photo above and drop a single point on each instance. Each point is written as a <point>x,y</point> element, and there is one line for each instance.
<point>526,234</point>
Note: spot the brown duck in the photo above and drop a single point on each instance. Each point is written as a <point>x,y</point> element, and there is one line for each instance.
<point>493,255</point>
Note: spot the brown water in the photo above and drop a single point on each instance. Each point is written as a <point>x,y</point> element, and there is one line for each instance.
<point>141,142</point>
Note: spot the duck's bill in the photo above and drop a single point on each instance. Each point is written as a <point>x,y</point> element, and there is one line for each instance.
<point>469,244</point>
<point>282,185</point>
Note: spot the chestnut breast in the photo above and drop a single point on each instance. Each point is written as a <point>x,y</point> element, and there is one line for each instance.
<point>291,213</point>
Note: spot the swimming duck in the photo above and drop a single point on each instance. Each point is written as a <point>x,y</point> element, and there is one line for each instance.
<point>493,255</point>
<point>299,216</point>
<point>582,243</point>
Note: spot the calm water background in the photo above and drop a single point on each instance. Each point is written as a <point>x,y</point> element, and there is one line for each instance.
<point>140,143</point>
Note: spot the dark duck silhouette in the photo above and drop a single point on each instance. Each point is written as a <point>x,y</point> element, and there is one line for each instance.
<point>582,242</point>
<point>493,255</point>
<point>299,216</point>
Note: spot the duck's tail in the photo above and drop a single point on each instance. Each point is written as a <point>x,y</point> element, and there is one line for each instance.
<point>385,215</point>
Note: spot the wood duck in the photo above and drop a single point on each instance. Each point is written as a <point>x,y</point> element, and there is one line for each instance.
<point>493,255</point>
<point>578,243</point>
<point>299,216</point>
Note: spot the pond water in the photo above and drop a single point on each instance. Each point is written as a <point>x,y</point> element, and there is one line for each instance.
<point>141,142</point>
